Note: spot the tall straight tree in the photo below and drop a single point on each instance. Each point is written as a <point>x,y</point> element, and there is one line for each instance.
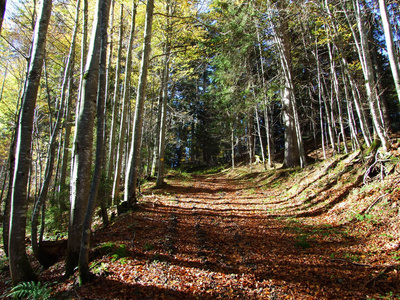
<point>294,150</point>
<point>164,98</point>
<point>390,47</point>
<point>84,273</point>
<point>369,76</point>
<point>20,268</point>
<point>111,150</point>
<point>52,144</point>
<point>125,102</point>
<point>83,145</point>
<point>134,154</point>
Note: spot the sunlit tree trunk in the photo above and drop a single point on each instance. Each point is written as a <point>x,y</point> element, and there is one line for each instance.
<point>163,119</point>
<point>260,136</point>
<point>53,143</point>
<point>134,154</point>
<point>20,268</point>
<point>103,9</point>
<point>370,83</point>
<point>337,97</point>
<point>124,113</point>
<point>266,115</point>
<point>294,151</point>
<point>164,99</point>
<point>390,47</point>
<point>83,140</point>
<point>112,144</point>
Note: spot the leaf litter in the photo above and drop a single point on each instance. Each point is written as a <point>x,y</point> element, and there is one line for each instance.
<point>241,235</point>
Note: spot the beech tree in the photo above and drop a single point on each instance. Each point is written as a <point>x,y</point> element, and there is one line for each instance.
<point>83,140</point>
<point>134,154</point>
<point>390,47</point>
<point>102,23</point>
<point>20,267</point>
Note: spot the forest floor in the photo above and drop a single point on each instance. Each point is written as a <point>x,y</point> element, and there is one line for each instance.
<point>330,231</point>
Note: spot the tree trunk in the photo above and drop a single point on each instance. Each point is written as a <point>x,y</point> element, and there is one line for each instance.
<point>82,158</point>
<point>124,113</point>
<point>163,108</point>
<point>370,83</point>
<point>134,155</point>
<point>390,47</point>
<point>294,152</point>
<point>337,97</point>
<point>20,268</point>
<point>52,147</point>
<point>113,128</point>
<point>84,272</point>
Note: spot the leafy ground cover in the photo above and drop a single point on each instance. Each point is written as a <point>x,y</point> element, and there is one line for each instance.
<point>330,231</point>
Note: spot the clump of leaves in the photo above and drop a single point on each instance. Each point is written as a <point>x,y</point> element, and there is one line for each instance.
<point>31,290</point>
<point>99,268</point>
<point>120,252</point>
<point>107,246</point>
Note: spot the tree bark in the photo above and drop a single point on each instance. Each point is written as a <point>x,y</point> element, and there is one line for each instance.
<point>390,47</point>
<point>163,106</point>
<point>84,272</point>
<point>125,104</point>
<point>82,158</point>
<point>113,127</point>
<point>52,147</point>
<point>370,83</point>
<point>134,155</point>
<point>294,152</point>
<point>20,268</point>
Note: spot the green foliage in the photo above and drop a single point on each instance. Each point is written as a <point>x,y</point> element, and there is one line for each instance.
<point>116,251</point>
<point>120,252</point>
<point>107,246</point>
<point>31,290</point>
<point>99,268</point>
<point>302,242</point>
<point>352,257</point>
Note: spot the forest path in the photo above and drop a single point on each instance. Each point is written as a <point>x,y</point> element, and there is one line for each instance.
<point>221,237</point>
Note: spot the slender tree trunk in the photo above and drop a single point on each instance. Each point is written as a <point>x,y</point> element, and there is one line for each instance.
<point>63,188</point>
<point>52,147</point>
<point>84,272</point>
<point>124,113</point>
<point>20,268</point>
<point>113,128</point>
<point>337,96</point>
<point>163,119</point>
<point>370,83</point>
<point>294,151</point>
<point>134,155</point>
<point>7,201</point>
<point>390,47</point>
<point>82,158</point>
<point>260,136</point>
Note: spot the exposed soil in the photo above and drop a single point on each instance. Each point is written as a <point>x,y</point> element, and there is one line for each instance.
<point>328,232</point>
